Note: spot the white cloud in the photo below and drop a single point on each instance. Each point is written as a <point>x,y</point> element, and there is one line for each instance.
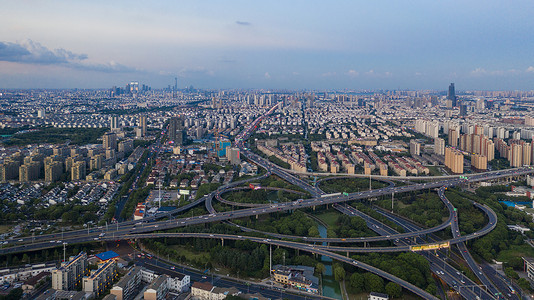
<point>483,72</point>
<point>267,75</point>
<point>373,73</point>
<point>328,74</point>
<point>352,73</point>
<point>530,69</point>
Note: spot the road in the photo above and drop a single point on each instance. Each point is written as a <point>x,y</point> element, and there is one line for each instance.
<point>148,227</point>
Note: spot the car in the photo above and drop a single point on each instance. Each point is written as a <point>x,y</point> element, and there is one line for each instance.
<point>204,277</point>
<point>172,268</point>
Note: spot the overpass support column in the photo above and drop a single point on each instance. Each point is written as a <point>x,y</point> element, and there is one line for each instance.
<point>256,217</point>
<point>222,242</point>
<point>314,208</point>
<point>347,253</point>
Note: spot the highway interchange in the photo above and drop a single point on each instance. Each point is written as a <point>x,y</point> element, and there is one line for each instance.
<point>414,236</point>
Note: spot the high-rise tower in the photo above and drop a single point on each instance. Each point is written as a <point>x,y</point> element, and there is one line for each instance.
<point>452,95</point>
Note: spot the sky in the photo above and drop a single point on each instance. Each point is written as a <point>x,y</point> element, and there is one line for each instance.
<point>295,44</point>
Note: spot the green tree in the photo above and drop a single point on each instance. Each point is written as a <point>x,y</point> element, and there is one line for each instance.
<point>313,231</point>
<point>320,268</point>
<point>339,272</point>
<point>524,284</point>
<point>357,282</point>
<point>511,273</point>
<point>373,283</point>
<point>394,290</point>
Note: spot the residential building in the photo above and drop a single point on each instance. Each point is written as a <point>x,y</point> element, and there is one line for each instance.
<point>201,290</point>
<point>78,171</point>
<point>127,287</point>
<point>101,279</point>
<point>415,147</point>
<point>454,160</point>
<point>439,146</point>
<point>29,172</point>
<point>158,289</point>
<point>109,140</point>
<point>378,296</point>
<point>180,283</point>
<point>70,275</point>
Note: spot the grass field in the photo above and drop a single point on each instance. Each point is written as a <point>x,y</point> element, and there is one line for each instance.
<point>329,218</point>
<point>191,255</point>
<point>434,171</point>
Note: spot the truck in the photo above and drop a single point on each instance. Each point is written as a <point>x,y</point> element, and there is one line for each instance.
<point>330,195</point>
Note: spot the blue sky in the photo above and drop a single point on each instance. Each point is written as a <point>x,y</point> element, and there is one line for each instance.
<point>271,44</point>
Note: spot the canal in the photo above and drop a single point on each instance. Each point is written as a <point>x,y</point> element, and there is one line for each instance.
<point>330,285</point>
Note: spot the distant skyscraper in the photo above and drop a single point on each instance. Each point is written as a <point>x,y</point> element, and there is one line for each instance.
<point>452,95</point>
<point>463,110</point>
<point>134,87</point>
<point>434,101</point>
<point>176,131</point>
<point>142,125</point>
<point>114,123</point>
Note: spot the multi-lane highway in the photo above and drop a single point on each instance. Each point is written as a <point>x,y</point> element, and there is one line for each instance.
<point>148,227</point>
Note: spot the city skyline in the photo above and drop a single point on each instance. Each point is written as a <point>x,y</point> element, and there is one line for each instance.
<point>238,44</point>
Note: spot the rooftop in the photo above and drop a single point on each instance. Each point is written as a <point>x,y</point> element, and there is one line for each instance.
<point>107,255</point>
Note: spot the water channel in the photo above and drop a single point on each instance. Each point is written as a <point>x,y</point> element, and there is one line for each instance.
<point>330,285</point>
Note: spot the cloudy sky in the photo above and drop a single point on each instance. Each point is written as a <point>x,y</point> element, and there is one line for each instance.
<point>296,44</point>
